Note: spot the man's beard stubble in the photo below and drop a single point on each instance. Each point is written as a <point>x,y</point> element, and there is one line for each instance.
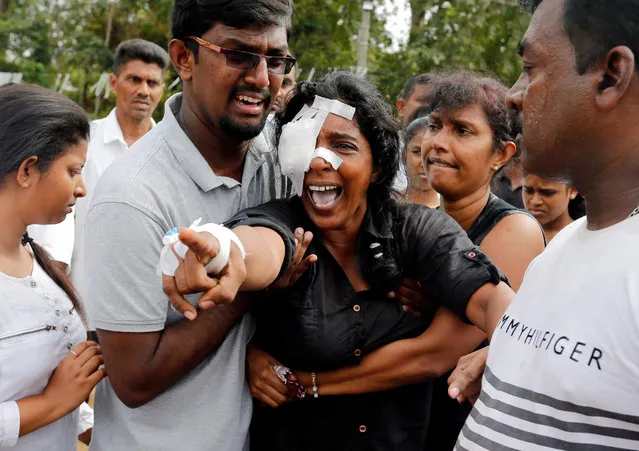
<point>247,132</point>
<point>242,132</point>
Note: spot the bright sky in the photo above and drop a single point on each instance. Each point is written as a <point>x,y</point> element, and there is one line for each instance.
<point>397,13</point>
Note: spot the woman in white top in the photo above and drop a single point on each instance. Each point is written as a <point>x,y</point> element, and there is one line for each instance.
<point>47,369</point>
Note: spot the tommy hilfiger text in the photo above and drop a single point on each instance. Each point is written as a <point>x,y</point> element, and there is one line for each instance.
<point>547,340</point>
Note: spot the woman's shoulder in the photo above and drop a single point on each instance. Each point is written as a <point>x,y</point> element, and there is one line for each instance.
<point>513,243</point>
<point>520,224</point>
<point>494,213</point>
<point>512,225</point>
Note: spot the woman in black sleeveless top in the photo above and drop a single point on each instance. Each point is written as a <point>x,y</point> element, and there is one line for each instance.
<point>471,136</point>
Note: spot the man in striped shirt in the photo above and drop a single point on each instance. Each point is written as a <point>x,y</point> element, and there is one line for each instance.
<point>563,368</point>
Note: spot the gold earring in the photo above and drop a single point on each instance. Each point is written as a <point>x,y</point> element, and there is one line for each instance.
<point>25,185</point>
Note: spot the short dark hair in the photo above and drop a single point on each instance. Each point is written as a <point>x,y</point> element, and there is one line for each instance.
<point>422,111</point>
<point>421,79</point>
<point>414,127</point>
<point>459,90</point>
<point>594,27</point>
<point>196,17</point>
<point>139,49</point>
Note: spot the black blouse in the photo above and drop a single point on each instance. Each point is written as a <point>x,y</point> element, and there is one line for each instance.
<point>322,324</point>
<point>447,415</point>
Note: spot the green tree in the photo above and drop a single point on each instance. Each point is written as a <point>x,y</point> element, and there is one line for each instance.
<point>478,35</point>
<point>44,38</point>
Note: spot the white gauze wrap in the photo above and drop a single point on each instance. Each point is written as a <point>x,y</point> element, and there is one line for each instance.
<point>169,263</point>
<point>299,137</point>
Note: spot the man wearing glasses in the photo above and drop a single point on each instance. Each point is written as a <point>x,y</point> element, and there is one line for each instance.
<point>178,383</point>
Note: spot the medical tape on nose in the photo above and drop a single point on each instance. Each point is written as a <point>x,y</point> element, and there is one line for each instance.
<point>329,156</point>
<point>299,137</point>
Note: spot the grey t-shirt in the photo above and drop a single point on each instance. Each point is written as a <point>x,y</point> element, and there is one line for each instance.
<point>164,182</point>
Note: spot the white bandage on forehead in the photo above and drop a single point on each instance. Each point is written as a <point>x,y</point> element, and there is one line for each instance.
<point>299,137</point>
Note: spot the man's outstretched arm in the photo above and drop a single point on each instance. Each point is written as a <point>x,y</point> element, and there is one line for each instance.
<point>147,348</point>
<point>143,365</point>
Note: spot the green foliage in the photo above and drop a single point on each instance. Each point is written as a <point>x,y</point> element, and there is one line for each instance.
<point>478,35</point>
<point>44,38</point>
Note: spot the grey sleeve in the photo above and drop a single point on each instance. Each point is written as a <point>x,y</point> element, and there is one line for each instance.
<point>123,289</point>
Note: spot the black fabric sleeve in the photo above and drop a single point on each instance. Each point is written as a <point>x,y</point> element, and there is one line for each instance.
<point>279,216</point>
<point>437,252</point>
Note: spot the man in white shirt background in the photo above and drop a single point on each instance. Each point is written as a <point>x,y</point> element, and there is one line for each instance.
<point>138,84</point>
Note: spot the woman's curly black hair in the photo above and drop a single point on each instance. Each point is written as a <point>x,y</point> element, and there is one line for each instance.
<point>374,117</point>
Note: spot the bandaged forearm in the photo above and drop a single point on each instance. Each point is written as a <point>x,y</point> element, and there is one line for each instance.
<point>169,262</point>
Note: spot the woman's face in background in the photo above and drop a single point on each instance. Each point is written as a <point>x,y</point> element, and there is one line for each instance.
<point>457,151</point>
<point>53,193</point>
<point>415,171</point>
<point>546,200</point>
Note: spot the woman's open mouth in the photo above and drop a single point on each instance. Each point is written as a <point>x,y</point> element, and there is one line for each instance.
<point>324,196</point>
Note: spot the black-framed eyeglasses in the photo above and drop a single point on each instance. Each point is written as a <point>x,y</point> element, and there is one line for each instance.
<point>247,61</point>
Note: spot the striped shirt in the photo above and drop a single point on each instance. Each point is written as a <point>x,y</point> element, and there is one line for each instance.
<point>563,368</point>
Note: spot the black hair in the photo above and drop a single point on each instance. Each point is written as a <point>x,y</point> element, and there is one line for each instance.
<point>196,17</point>
<point>39,122</point>
<point>139,49</point>
<point>421,79</point>
<point>422,111</point>
<point>577,207</point>
<point>374,117</point>
<point>462,89</point>
<point>529,5</point>
<point>594,27</point>
<point>414,127</point>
